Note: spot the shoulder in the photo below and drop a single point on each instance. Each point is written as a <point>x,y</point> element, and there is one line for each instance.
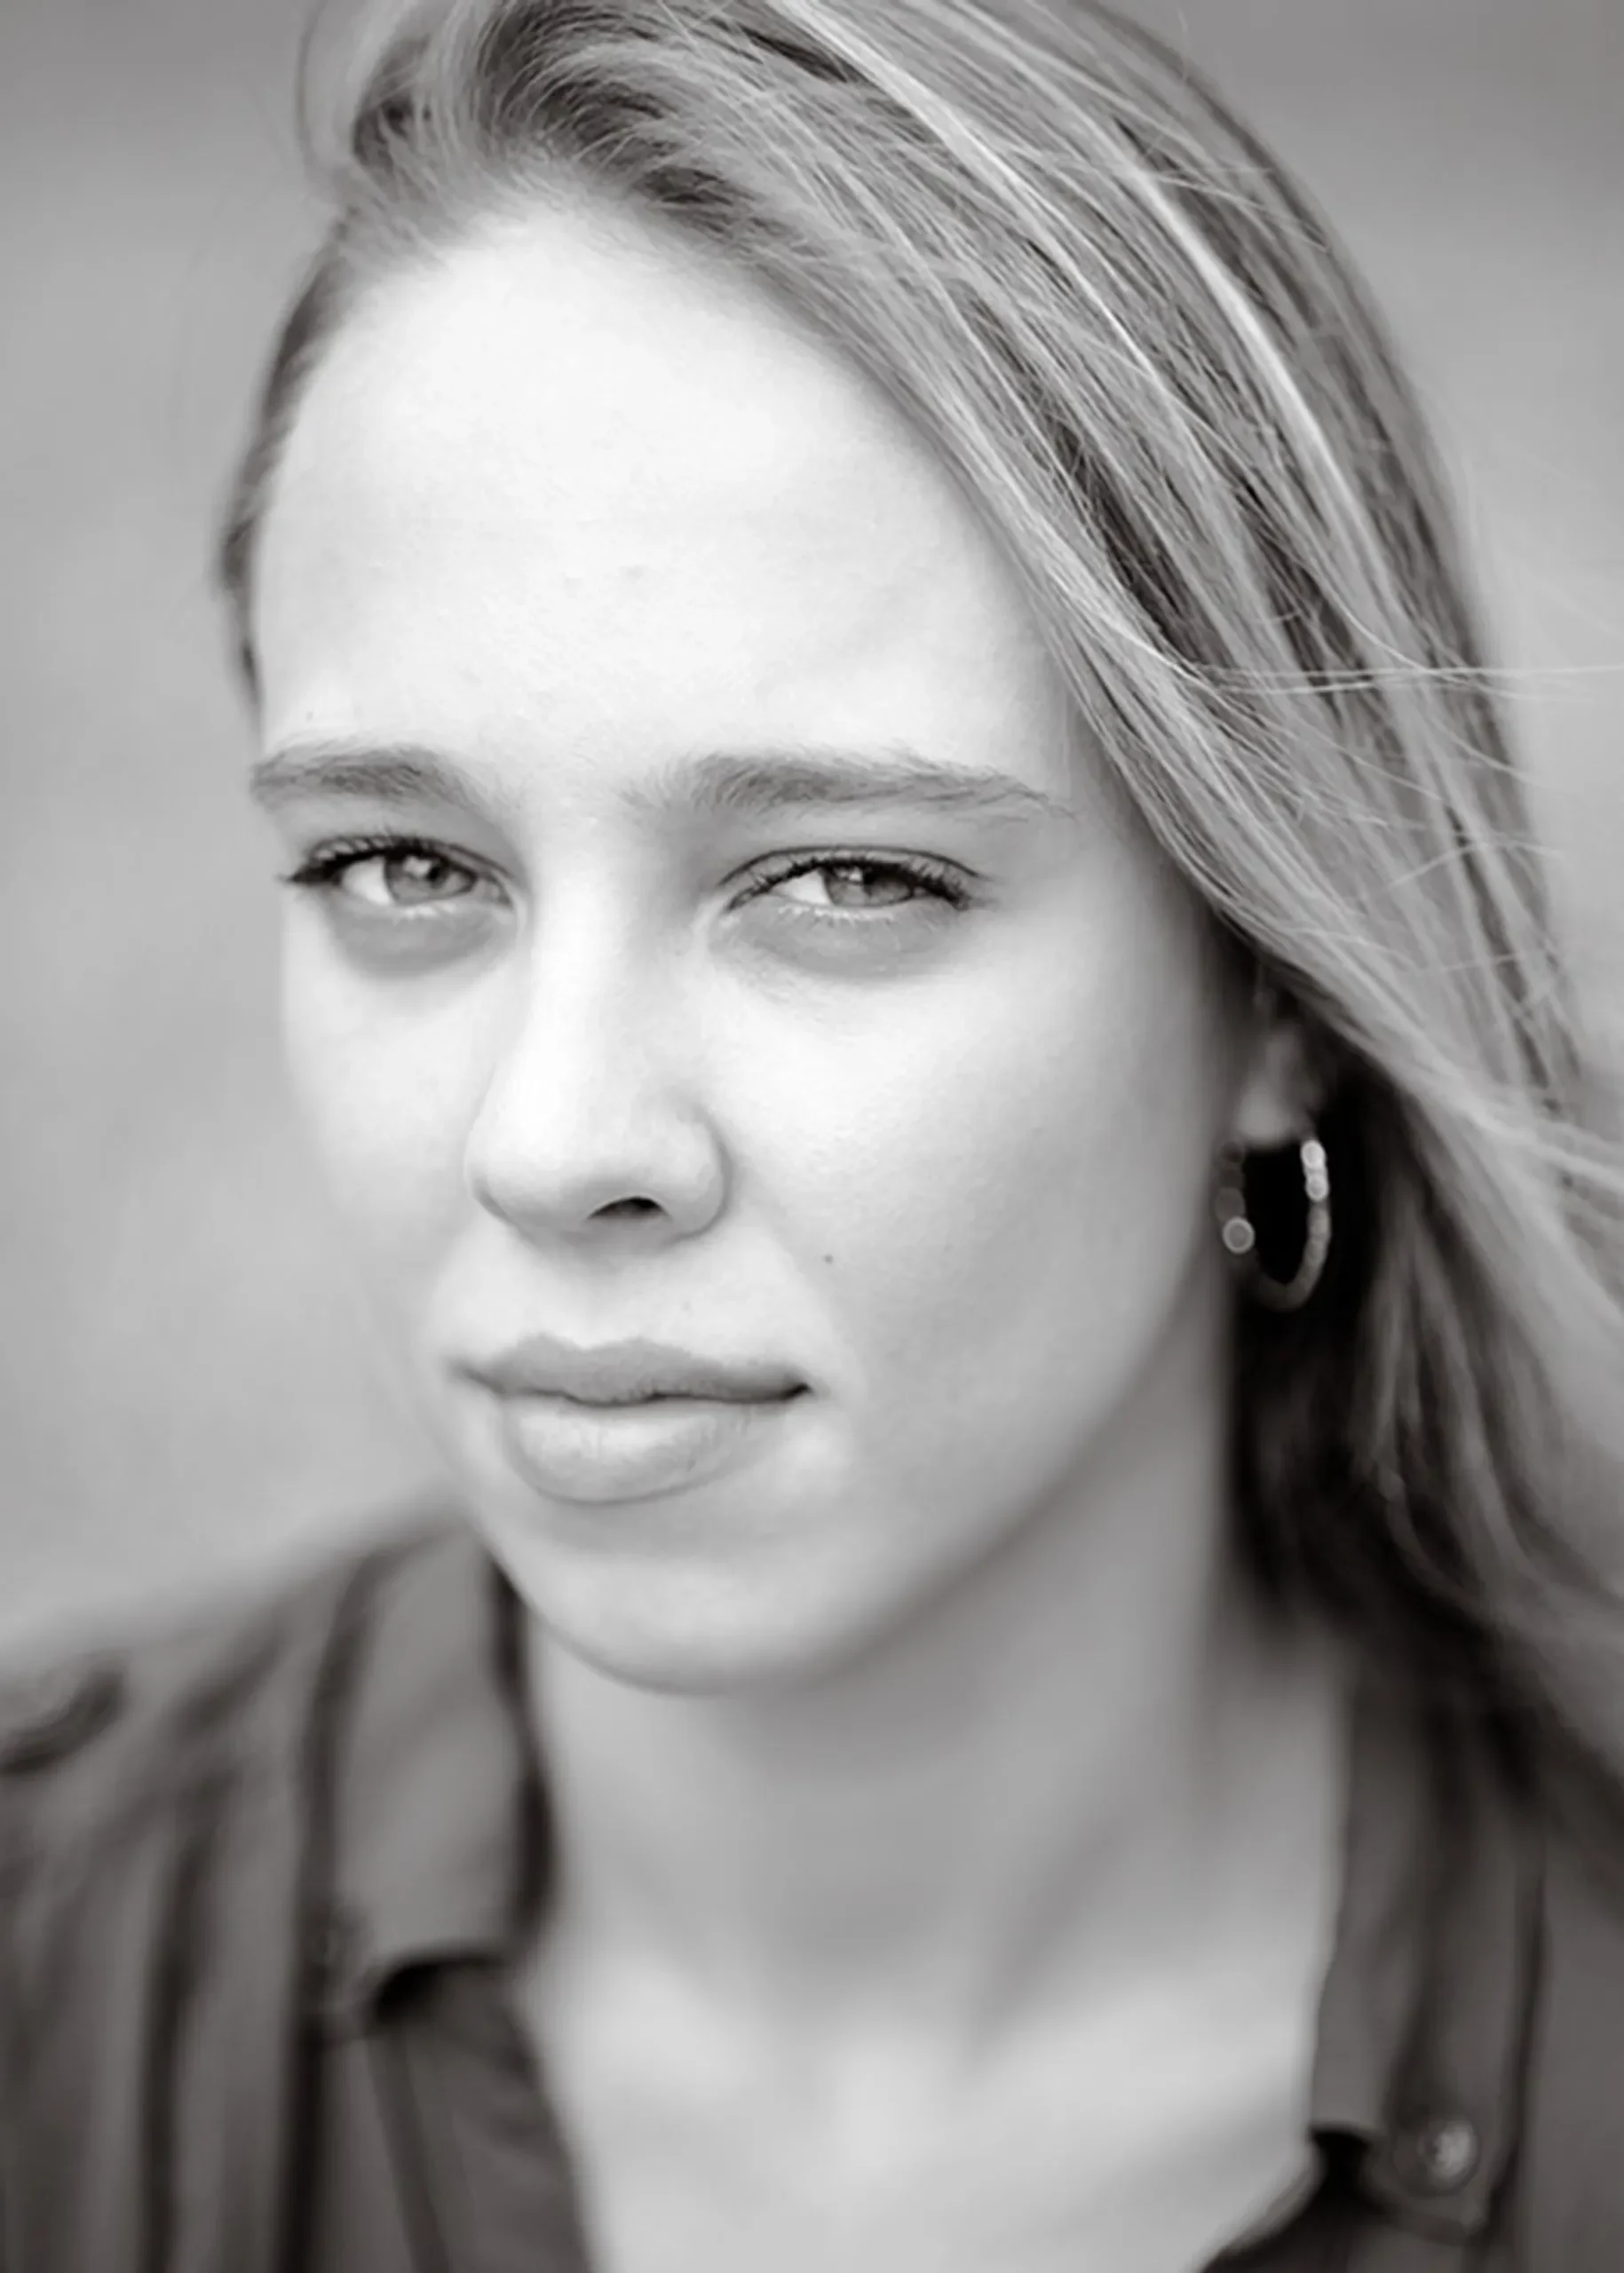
<point>102,1735</point>
<point>156,1837</point>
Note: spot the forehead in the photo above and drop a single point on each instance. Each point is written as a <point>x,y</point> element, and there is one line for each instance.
<point>574,459</point>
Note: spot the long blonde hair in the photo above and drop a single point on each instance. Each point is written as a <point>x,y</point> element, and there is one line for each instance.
<point>1142,354</point>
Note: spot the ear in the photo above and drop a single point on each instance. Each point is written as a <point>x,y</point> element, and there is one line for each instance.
<point>1282,1083</point>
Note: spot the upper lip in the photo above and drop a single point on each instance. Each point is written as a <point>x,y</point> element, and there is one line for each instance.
<point>625,1373</point>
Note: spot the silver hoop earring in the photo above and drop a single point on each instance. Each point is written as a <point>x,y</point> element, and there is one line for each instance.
<point>1239,1234</point>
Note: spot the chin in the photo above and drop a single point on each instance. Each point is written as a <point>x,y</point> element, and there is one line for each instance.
<point>698,1627</point>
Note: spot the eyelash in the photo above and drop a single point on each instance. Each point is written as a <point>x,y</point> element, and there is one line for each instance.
<point>935,879</point>
<point>323,869</point>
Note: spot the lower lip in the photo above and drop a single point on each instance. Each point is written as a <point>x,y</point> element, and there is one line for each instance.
<point>599,1453</point>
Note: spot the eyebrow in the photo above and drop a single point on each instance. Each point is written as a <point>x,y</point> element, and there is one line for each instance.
<point>754,784</point>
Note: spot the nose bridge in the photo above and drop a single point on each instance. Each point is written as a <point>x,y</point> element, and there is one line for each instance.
<point>593,1100</point>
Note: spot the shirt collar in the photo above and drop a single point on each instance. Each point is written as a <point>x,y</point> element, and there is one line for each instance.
<point>433,1806</point>
<point>1426,2004</point>
<point>438,1848</point>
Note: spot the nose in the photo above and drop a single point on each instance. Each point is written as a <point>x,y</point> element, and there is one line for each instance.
<point>592,1117</point>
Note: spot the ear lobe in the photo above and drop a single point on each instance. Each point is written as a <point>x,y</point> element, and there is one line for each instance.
<point>1282,1089</point>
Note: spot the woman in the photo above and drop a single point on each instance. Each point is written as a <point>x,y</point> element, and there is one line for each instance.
<point>911,944</point>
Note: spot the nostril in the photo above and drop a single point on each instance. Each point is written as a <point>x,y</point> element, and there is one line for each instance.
<point>622,1208</point>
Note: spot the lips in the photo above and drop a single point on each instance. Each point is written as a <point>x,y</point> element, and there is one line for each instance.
<point>628,1420</point>
<point>627,1373</point>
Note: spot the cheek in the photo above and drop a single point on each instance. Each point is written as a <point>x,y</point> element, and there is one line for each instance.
<point>389,1082</point>
<point>1019,1170</point>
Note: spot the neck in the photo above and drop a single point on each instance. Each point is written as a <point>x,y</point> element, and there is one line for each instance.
<point>1090,1752</point>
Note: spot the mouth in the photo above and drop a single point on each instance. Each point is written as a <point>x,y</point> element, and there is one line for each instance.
<point>592,1454</point>
<point>628,1420</point>
<point>628,1372</point>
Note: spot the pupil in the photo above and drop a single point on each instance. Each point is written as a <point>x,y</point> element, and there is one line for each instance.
<point>852,883</point>
<point>417,874</point>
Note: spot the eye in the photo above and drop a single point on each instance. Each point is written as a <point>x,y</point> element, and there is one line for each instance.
<point>392,875</point>
<point>853,883</point>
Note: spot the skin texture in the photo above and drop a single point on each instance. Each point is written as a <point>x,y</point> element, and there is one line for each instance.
<point>930,1714</point>
<point>948,1166</point>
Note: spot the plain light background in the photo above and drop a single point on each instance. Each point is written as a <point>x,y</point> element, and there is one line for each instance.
<point>186,1397</point>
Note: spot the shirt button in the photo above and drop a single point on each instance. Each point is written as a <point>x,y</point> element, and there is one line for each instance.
<point>332,1945</point>
<point>1441,2153</point>
<point>334,1957</point>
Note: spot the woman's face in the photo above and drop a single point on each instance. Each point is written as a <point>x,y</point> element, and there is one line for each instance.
<point>711,934</point>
